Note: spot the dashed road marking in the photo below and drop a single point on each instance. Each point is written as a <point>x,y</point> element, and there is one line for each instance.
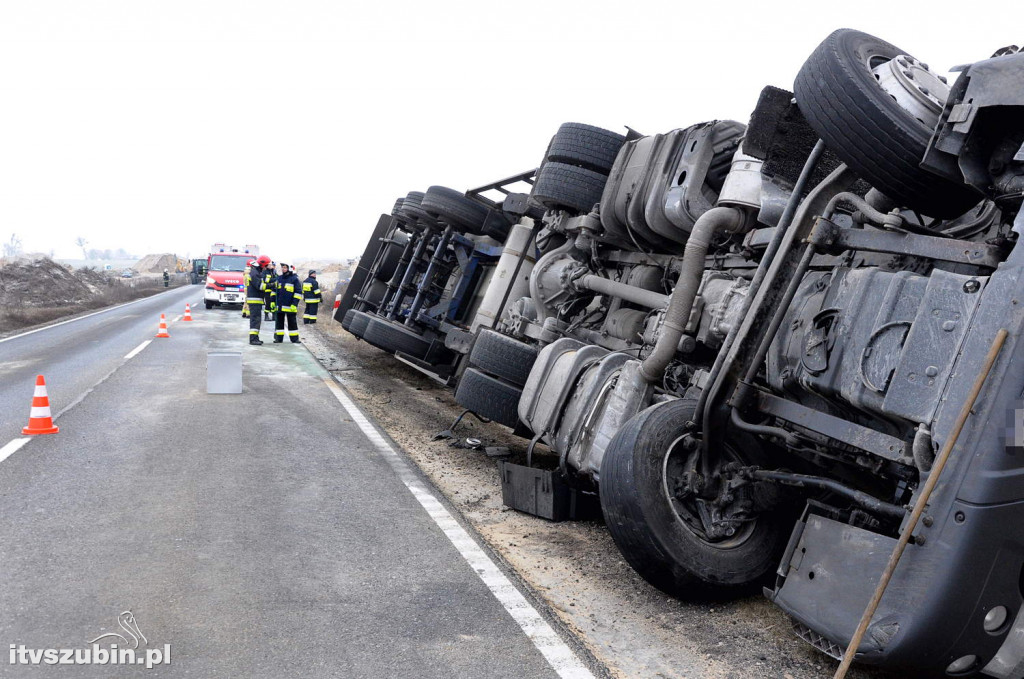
<point>12,447</point>
<point>136,350</point>
<point>82,318</point>
<point>555,651</point>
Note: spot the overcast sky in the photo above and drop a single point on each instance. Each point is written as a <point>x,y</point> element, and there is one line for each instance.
<point>165,126</point>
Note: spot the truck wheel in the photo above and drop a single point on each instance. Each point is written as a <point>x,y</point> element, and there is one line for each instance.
<point>586,146</point>
<point>373,292</point>
<point>846,105</point>
<point>496,228</point>
<point>502,356</point>
<point>455,208</point>
<point>489,397</point>
<point>392,255</point>
<point>652,532</point>
<point>357,324</point>
<point>209,305</point>
<point>560,186</point>
<point>392,338</point>
<point>412,208</point>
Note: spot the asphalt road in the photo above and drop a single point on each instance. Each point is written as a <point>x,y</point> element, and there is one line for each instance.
<point>266,534</point>
<point>75,355</point>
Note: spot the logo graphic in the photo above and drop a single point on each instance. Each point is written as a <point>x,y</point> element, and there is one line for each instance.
<point>127,622</point>
<point>121,649</point>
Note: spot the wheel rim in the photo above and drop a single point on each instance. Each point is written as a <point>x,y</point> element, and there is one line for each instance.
<point>912,85</point>
<point>685,514</point>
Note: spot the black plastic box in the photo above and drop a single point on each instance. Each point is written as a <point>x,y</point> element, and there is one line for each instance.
<point>544,493</point>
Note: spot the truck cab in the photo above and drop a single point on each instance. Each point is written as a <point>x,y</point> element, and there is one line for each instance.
<point>198,273</point>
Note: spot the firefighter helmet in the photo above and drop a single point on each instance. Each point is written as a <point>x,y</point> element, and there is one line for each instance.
<point>263,260</point>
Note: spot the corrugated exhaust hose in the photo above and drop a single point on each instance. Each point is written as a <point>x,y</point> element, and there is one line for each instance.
<point>714,221</point>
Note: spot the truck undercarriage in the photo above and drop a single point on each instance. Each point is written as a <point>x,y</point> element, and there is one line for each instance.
<point>773,350</point>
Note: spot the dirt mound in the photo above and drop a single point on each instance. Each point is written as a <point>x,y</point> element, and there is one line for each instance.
<point>321,266</point>
<point>156,263</point>
<point>44,282</point>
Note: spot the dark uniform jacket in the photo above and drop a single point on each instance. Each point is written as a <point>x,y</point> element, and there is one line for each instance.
<point>270,293</point>
<point>311,291</point>
<point>254,285</point>
<point>289,292</point>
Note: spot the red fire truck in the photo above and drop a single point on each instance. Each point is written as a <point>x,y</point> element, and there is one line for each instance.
<point>225,274</point>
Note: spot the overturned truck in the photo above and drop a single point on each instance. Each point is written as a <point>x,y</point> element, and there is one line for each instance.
<point>774,350</point>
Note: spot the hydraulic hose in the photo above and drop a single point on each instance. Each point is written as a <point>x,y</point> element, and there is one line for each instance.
<point>861,498</point>
<point>714,221</point>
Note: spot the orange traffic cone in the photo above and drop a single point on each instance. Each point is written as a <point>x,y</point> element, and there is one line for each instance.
<point>40,421</point>
<point>188,312</point>
<point>162,331</point>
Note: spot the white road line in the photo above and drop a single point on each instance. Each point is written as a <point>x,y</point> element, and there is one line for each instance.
<point>555,651</point>
<point>12,447</point>
<point>176,319</point>
<point>136,350</point>
<point>82,318</point>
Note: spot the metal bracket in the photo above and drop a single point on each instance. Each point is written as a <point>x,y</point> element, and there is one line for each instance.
<point>874,442</point>
<point>830,237</point>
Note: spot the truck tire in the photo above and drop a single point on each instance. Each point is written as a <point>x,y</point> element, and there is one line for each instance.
<point>652,536</point>
<point>865,127</point>
<point>357,326</point>
<point>397,209</point>
<point>497,228</point>
<point>454,208</point>
<point>560,186</point>
<point>585,146</point>
<point>209,305</point>
<point>502,356</point>
<point>413,210</point>
<point>392,337</point>
<point>346,322</point>
<point>374,292</point>
<point>392,255</point>
<point>489,397</point>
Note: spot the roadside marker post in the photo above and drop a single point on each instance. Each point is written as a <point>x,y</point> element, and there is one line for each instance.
<point>40,421</point>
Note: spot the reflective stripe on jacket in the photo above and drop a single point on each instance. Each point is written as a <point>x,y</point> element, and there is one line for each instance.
<point>254,285</point>
<point>311,291</point>
<point>288,288</point>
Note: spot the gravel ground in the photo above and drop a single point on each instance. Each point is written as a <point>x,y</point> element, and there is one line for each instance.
<point>634,629</point>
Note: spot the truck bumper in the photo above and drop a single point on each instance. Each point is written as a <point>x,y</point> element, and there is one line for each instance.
<point>224,297</point>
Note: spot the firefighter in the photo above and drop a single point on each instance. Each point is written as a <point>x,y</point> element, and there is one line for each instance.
<point>254,288</point>
<point>167,278</point>
<point>312,296</point>
<point>270,296</point>
<point>289,292</point>
<point>245,305</point>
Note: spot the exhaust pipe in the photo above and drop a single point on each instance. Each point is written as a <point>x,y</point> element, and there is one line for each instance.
<point>714,221</point>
